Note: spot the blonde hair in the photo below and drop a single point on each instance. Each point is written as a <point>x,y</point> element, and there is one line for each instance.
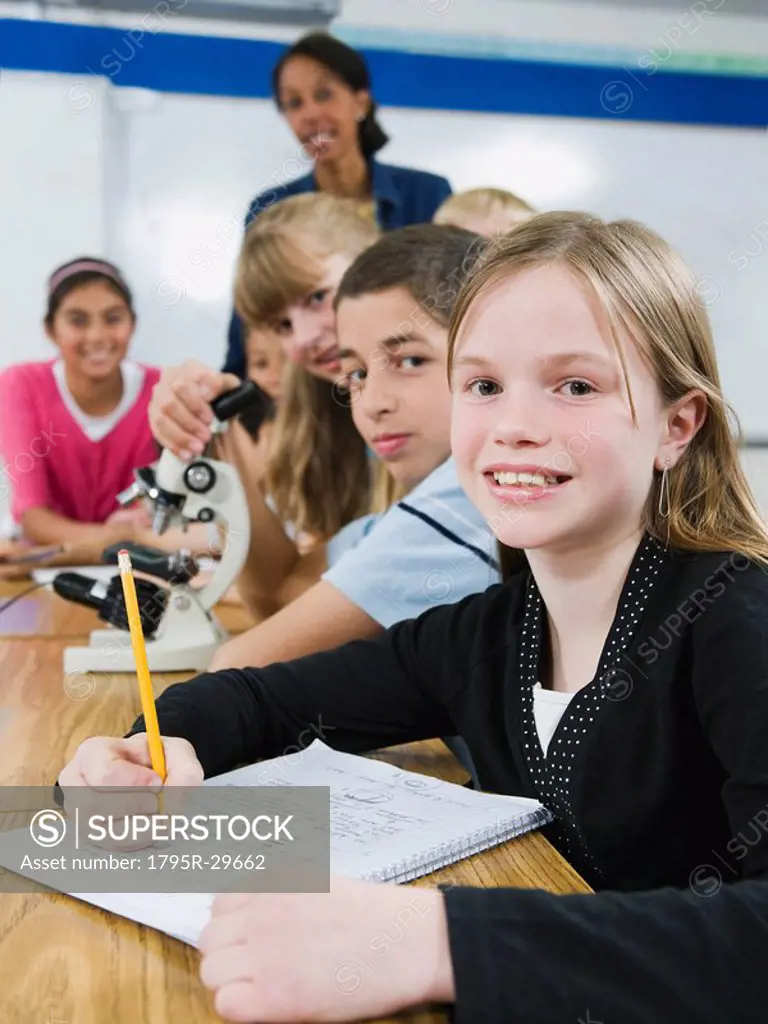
<point>285,248</point>
<point>317,470</point>
<point>648,292</point>
<point>462,208</point>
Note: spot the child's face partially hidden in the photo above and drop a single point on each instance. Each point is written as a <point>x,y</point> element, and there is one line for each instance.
<point>307,329</point>
<point>265,360</point>
<point>393,360</point>
<point>542,430</point>
<point>92,329</point>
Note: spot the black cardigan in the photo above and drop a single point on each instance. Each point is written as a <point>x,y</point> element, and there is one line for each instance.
<point>658,771</point>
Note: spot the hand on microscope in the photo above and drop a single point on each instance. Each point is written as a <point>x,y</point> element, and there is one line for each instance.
<point>180,413</point>
<point>137,516</point>
<point>135,524</point>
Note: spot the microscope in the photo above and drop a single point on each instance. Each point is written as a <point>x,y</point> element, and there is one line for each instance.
<point>181,631</point>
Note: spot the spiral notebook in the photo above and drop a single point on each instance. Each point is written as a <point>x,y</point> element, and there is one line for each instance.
<point>390,825</point>
<point>387,825</point>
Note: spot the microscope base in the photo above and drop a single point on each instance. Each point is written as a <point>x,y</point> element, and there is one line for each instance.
<point>186,641</point>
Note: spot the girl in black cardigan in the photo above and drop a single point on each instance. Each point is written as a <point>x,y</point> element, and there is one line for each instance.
<point>619,674</point>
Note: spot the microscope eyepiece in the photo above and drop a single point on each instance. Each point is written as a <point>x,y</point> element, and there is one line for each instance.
<point>179,567</point>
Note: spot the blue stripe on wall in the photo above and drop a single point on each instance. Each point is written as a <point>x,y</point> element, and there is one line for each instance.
<point>241,67</point>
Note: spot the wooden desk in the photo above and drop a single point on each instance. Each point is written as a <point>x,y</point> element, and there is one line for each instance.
<point>65,962</point>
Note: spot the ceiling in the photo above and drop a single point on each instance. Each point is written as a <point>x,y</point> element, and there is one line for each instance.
<point>755,8</point>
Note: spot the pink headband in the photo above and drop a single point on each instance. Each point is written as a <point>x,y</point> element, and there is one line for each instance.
<point>78,267</point>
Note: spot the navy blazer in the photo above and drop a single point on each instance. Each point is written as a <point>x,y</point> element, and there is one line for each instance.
<point>403,196</point>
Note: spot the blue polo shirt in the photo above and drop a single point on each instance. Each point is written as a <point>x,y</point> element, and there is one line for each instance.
<point>403,196</point>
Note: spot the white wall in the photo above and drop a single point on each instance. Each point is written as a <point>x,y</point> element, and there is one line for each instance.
<point>52,197</point>
<point>675,30</point>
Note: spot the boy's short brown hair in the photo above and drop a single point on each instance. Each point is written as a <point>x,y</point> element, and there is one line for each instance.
<point>430,261</point>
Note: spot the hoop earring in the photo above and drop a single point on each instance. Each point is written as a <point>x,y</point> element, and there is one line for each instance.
<point>664,503</point>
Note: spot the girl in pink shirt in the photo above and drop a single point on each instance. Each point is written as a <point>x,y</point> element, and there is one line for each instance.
<point>73,429</point>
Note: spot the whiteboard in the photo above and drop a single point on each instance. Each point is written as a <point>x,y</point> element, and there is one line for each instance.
<point>183,169</point>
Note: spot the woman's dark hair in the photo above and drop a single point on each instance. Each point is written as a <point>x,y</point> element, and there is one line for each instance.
<point>84,270</point>
<point>348,65</point>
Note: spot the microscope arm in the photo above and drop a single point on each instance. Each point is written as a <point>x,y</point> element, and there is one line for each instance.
<point>213,493</point>
<point>237,541</point>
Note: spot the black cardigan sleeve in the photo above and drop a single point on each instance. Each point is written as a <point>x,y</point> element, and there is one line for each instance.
<point>665,956</point>
<point>730,683</point>
<point>366,694</point>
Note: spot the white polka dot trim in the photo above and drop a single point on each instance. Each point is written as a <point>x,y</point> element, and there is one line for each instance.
<point>553,775</point>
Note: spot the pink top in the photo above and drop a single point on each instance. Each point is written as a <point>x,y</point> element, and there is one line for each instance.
<point>51,463</point>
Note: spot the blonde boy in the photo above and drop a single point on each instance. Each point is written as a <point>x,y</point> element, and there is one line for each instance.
<point>486,211</point>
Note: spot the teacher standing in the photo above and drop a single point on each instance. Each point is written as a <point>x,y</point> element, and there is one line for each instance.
<point>323,89</point>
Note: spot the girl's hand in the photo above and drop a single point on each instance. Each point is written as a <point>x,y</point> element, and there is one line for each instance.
<point>114,777</point>
<point>360,951</point>
<point>104,763</point>
<point>137,517</point>
<point>180,411</point>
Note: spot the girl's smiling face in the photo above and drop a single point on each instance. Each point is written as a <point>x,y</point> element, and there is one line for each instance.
<point>542,429</point>
<point>92,328</point>
<point>307,328</point>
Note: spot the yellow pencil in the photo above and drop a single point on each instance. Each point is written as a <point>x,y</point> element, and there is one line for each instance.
<point>148,709</point>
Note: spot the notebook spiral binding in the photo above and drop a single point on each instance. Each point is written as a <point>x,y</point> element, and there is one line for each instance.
<point>435,857</point>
